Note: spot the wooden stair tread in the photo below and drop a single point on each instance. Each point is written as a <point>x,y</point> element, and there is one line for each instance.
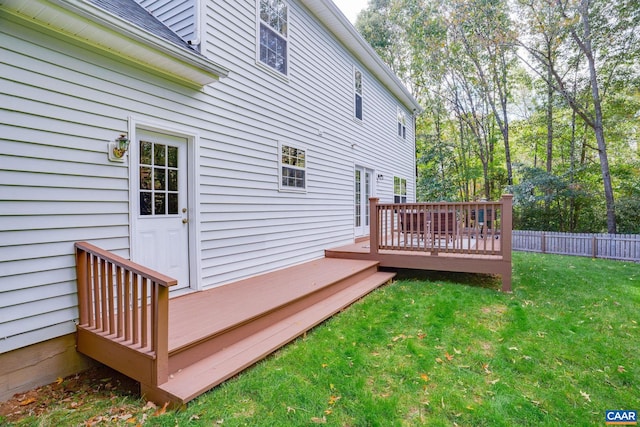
<point>201,376</point>
<point>224,307</point>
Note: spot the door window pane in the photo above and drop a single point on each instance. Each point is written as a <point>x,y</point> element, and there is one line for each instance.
<point>160,158</point>
<point>145,203</point>
<point>173,157</point>
<point>160,205</point>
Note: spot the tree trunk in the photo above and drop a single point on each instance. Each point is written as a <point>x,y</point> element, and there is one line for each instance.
<point>598,123</point>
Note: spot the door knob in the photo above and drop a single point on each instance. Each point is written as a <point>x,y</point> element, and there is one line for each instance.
<point>185,220</point>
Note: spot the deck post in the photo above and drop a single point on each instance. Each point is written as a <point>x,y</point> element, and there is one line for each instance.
<point>161,332</point>
<point>506,235</point>
<point>373,225</point>
<point>81,277</point>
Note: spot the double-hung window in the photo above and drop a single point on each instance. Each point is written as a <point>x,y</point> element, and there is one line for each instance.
<point>293,168</point>
<point>402,124</point>
<point>357,83</point>
<point>399,190</point>
<point>273,33</point>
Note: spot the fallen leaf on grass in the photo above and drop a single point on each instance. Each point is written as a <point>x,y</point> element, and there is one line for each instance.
<point>59,380</point>
<point>439,360</point>
<point>448,356</point>
<point>162,410</point>
<point>585,395</point>
<point>424,377</point>
<point>333,400</point>
<point>317,420</point>
<point>150,405</point>
<point>621,369</point>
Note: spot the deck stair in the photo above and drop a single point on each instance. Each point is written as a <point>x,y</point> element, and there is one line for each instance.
<point>215,334</point>
<point>234,326</point>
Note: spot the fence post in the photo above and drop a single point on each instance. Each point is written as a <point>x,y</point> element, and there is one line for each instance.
<point>594,246</point>
<point>543,243</point>
<point>373,225</point>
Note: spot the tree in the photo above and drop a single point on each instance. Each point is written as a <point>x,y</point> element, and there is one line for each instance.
<point>589,26</point>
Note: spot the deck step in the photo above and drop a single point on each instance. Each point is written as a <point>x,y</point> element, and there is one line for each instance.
<point>205,374</point>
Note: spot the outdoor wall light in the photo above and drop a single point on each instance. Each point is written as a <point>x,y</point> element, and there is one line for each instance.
<point>118,148</point>
<point>380,177</point>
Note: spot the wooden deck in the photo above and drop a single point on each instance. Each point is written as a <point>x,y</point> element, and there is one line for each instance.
<point>426,260</point>
<point>179,348</point>
<point>212,335</point>
<point>471,237</point>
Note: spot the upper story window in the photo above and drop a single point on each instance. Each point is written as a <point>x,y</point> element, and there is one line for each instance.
<point>293,168</point>
<point>402,124</point>
<point>274,26</point>
<point>399,190</point>
<point>357,83</point>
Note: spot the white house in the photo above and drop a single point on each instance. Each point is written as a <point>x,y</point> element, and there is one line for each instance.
<point>257,131</point>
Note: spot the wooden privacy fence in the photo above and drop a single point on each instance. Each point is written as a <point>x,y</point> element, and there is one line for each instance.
<point>625,247</point>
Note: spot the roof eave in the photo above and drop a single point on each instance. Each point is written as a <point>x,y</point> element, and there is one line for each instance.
<point>90,24</point>
<point>328,13</point>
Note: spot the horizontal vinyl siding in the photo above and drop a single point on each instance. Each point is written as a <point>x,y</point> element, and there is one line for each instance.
<point>179,15</point>
<point>60,103</point>
<point>59,106</point>
<point>246,228</point>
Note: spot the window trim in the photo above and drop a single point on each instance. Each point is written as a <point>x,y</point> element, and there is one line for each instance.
<point>403,191</point>
<point>286,188</point>
<point>259,62</point>
<point>355,95</point>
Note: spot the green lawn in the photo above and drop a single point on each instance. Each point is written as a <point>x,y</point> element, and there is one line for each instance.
<point>441,350</point>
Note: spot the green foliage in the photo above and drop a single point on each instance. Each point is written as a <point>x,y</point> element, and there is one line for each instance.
<point>483,71</point>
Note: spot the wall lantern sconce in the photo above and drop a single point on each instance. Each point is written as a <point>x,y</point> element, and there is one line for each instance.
<point>380,177</point>
<point>118,148</point>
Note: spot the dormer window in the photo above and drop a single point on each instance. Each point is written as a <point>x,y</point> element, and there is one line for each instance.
<point>274,26</point>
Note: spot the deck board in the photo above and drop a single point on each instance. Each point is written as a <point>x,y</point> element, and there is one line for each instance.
<point>202,314</point>
<point>213,370</point>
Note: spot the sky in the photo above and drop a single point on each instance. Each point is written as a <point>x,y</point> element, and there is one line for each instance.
<point>351,8</point>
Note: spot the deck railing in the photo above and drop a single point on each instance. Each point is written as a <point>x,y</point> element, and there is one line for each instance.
<point>472,228</point>
<point>124,302</point>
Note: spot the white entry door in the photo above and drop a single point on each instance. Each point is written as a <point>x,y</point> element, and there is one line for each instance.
<point>161,236</point>
<point>363,181</point>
